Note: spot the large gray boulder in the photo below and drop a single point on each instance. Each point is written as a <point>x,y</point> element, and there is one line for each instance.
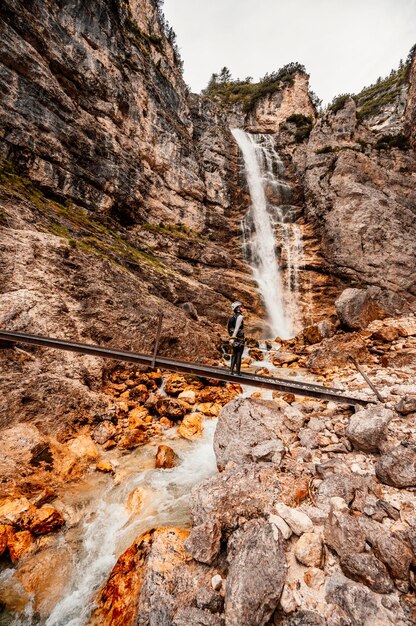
<point>356,308</point>
<point>249,430</point>
<point>398,467</point>
<point>362,606</point>
<point>256,575</point>
<point>367,429</point>
<point>219,504</point>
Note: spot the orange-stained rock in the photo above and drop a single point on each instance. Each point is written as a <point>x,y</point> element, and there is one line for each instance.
<point>189,396</point>
<point>133,438</point>
<point>139,413</point>
<point>44,575</point>
<point>103,432</point>
<point>83,446</point>
<point>47,519</point>
<point>108,445</point>
<point>18,512</point>
<point>219,394</point>
<point>165,458</point>
<point>333,352</point>
<point>210,409</point>
<point>191,427</point>
<point>119,600</point>
<point>171,408</point>
<point>105,466</point>
<point>256,354</point>
<point>140,393</point>
<point>4,533</point>
<point>175,383</point>
<point>166,423</point>
<point>282,358</point>
<point>20,544</point>
<point>135,500</point>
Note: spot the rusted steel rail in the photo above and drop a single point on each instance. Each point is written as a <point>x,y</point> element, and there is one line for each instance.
<point>284,385</point>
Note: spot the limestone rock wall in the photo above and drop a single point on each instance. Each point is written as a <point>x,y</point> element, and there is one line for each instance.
<point>116,193</point>
<point>362,200</point>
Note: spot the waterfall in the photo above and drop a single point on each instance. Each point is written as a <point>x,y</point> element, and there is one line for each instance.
<point>270,215</point>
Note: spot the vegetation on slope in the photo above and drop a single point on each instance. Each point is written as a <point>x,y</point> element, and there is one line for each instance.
<point>230,91</point>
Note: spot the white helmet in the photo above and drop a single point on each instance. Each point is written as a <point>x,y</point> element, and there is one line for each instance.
<point>235,305</point>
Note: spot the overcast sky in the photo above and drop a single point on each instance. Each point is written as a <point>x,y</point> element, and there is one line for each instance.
<point>344,44</point>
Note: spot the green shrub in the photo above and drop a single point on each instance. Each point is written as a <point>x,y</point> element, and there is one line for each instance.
<point>338,102</point>
<point>231,91</point>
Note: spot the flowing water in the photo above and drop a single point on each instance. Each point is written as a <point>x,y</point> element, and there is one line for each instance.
<point>272,241</point>
<point>101,527</point>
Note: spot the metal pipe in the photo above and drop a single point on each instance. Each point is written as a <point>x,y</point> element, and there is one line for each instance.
<point>275,384</point>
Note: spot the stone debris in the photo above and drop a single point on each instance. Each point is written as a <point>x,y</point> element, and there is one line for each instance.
<point>166,458</point>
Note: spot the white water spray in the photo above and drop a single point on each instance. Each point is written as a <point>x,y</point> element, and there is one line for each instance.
<point>269,193</point>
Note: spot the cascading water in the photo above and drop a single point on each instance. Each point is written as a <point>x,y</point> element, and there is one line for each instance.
<point>104,528</point>
<point>270,212</point>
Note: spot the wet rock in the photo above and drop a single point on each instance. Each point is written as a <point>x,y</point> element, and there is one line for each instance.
<point>317,332</point>
<point>105,466</point>
<point>298,521</point>
<point>367,429</point>
<point>281,358</point>
<point>192,426</point>
<point>166,458</point>
<point>138,416</point>
<point>398,467</point>
<point>256,354</point>
<point>17,512</point>
<point>343,533</point>
<point>367,569</point>
<point>133,438</point>
<point>243,424</point>
<point>175,383</point>
<point>153,581</point>
<point>406,405</point>
<point>20,544</point>
<point>47,519</point>
<point>237,493</point>
<point>188,396</point>
<point>256,574</point>
<point>83,447</point>
<point>308,549</point>
<point>4,532</point>
<point>171,408</point>
<point>356,308</point>
<point>103,432</point>
<point>38,577</point>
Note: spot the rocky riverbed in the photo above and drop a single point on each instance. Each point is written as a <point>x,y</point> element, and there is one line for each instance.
<point>309,518</point>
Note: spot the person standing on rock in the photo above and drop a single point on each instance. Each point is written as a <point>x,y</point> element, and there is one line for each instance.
<point>236,332</point>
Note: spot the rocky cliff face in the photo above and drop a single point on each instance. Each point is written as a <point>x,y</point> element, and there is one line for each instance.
<point>116,192</point>
<point>360,197</point>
